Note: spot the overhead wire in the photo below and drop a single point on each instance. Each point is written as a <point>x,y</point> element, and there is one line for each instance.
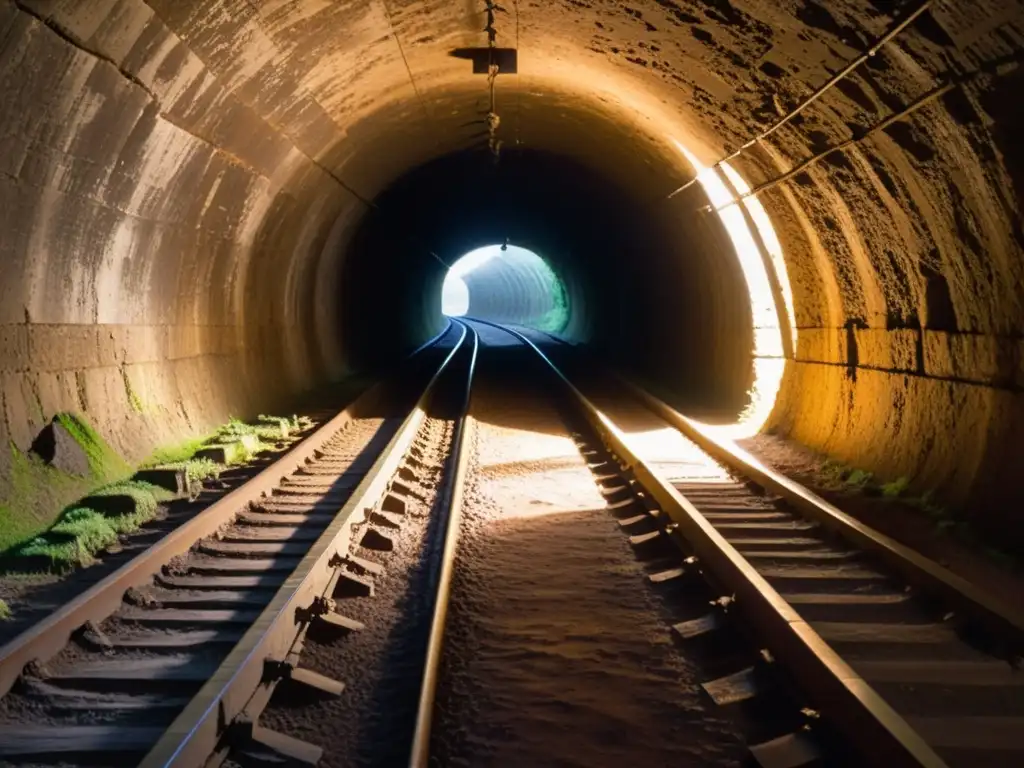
<point>817,94</point>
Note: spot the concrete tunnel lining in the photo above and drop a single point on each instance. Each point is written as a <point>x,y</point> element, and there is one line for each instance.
<point>191,198</point>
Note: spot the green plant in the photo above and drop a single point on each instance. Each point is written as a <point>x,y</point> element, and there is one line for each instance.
<point>858,478</point>
<point>80,532</point>
<point>5,610</point>
<point>234,429</point>
<point>197,470</point>
<point>896,488</point>
<point>272,428</point>
<point>835,473</point>
<point>177,453</point>
<point>104,461</point>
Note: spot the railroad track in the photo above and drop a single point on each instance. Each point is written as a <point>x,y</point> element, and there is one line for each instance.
<point>897,661</point>
<point>170,660</point>
<point>905,662</point>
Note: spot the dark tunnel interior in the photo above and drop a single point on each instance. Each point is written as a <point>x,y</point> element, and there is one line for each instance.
<point>611,245</point>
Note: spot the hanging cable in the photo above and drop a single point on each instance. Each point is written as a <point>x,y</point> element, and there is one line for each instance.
<point>906,22</point>
<point>493,120</point>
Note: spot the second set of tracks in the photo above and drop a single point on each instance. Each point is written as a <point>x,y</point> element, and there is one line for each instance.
<point>881,657</point>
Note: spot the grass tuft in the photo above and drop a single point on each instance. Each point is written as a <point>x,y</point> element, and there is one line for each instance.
<point>5,611</point>
<point>235,429</point>
<point>175,454</point>
<point>81,532</point>
<point>196,470</point>
<point>896,488</point>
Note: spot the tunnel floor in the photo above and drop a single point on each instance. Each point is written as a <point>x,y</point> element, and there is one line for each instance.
<point>557,652</point>
<point>581,628</point>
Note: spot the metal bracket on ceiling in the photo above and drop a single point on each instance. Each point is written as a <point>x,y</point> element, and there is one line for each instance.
<point>491,60</point>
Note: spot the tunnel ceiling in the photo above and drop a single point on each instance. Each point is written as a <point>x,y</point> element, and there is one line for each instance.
<point>191,192</point>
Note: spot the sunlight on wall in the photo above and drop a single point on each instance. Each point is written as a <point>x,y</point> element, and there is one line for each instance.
<point>769,319</point>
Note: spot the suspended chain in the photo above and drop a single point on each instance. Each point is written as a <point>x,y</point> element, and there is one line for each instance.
<point>493,120</point>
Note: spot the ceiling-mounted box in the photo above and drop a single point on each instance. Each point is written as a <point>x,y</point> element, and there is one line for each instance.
<point>507,59</point>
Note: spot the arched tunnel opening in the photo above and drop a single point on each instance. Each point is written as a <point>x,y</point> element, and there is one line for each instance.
<point>206,214</point>
<point>506,284</point>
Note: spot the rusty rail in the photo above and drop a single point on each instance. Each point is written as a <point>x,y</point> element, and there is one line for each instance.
<point>998,618</point>
<point>850,705</point>
<point>230,703</point>
<point>451,508</point>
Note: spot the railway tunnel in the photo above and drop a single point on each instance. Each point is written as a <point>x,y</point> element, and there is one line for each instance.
<point>209,207</point>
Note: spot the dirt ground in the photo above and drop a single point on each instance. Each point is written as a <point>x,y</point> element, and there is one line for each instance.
<point>557,652</point>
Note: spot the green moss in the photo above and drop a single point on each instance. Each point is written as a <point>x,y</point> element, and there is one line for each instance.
<point>135,401</point>
<point>42,518</point>
<point>146,497</point>
<point>178,453</point>
<point>104,462</point>
<point>15,528</point>
<point>81,532</point>
<point>896,488</point>
<point>39,492</point>
<point>133,397</point>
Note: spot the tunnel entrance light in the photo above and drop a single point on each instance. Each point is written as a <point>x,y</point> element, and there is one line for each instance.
<point>508,284</point>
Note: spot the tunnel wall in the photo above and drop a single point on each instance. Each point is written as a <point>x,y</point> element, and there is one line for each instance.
<point>905,254</point>
<point>161,236</point>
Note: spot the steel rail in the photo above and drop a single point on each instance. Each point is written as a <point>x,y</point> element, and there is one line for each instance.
<point>48,637</point>
<point>451,508</point>
<point>998,618</point>
<point>239,689</point>
<point>845,700</point>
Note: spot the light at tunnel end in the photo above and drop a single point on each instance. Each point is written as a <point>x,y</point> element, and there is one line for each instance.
<point>454,296</point>
<point>506,283</point>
